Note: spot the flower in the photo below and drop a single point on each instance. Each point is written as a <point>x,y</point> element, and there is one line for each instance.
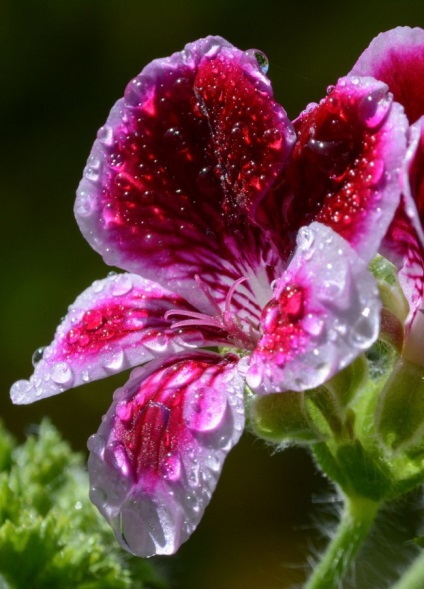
<point>236,230</point>
<point>396,57</point>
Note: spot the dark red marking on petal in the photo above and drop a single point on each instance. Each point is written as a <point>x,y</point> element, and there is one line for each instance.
<point>157,456</point>
<point>396,57</point>
<point>155,426</point>
<point>183,157</point>
<point>107,323</point>
<point>343,169</point>
<point>151,426</point>
<point>282,323</point>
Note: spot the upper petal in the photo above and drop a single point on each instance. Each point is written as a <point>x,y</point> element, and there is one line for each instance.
<point>325,312</point>
<point>156,458</point>
<point>117,323</point>
<point>396,57</point>
<point>183,158</point>
<point>344,168</point>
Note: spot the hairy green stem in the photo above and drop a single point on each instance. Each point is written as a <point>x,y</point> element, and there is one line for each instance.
<point>357,519</point>
<point>414,576</point>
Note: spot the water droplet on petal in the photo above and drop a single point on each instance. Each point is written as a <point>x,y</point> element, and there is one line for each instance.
<point>261,58</point>
<point>305,241</point>
<point>313,325</point>
<point>364,331</point>
<point>374,108</point>
<point>254,377</point>
<point>61,373</point>
<point>85,205</point>
<point>204,408</point>
<point>172,467</point>
<point>121,285</point>
<point>105,135</point>
<point>114,360</point>
<point>38,355</point>
<point>157,343</point>
<point>19,391</point>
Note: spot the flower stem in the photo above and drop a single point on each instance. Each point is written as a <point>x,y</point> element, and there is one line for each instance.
<point>413,578</point>
<point>357,519</point>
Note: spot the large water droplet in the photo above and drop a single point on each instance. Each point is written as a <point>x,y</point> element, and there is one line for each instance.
<point>204,408</point>
<point>261,58</point>
<point>114,360</point>
<point>374,108</point>
<point>254,377</point>
<point>364,331</point>
<point>19,392</point>
<point>61,373</point>
<point>122,285</point>
<point>38,355</point>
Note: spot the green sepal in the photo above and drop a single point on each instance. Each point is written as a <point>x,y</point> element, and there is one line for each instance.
<point>311,416</point>
<point>282,417</point>
<point>391,293</point>
<point>399,419</point>
<point>356,472</point>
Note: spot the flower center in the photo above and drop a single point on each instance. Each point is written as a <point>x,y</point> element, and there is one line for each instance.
<point>241,333</point>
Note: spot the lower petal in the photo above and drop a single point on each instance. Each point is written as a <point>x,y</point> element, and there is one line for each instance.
<point>157,456</point>
<point>324,313</point>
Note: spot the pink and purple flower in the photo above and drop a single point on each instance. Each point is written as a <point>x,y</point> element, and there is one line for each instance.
<point>245,241</point>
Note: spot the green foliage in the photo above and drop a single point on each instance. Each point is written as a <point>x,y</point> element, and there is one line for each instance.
<point>50,534</point>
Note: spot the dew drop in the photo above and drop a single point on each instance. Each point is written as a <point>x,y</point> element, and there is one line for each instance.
<point>374,109</point>
<point>172,468</point>
<point>363,332</point>
<point>20,390</point>
<point>121,285</point>
<point>105,135</point>
<point>84,205</point>
<point>61,373</point>
<point>157,343</point>
<point>204,408</point>
<point>254,377</point>
<point>261,59</point>
<point>313,325</point>
<point>38,355</point>
<point>114,360</point>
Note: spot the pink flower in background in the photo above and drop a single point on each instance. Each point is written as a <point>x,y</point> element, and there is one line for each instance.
<point>396,57</point>
<point>238,232</point>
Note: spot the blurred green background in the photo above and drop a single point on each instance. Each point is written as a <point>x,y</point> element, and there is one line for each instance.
<point>63,64</point>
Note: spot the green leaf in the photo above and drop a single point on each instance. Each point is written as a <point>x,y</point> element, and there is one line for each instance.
<point>50,534</point>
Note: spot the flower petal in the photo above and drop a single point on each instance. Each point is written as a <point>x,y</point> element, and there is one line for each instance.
<point>396,57</point>
<point>184,156</point>
<point>157,456</point>
<point>404,241</point>
<point>343,170</point>
<point>115,324</point>
<point>325,312</point>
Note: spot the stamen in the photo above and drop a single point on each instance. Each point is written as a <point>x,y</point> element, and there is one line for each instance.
<point>225,320</point>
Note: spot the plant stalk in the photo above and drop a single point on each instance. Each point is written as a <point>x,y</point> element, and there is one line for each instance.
<point>357,519</point>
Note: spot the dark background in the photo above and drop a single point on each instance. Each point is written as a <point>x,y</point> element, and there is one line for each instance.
<point>63,64</point>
